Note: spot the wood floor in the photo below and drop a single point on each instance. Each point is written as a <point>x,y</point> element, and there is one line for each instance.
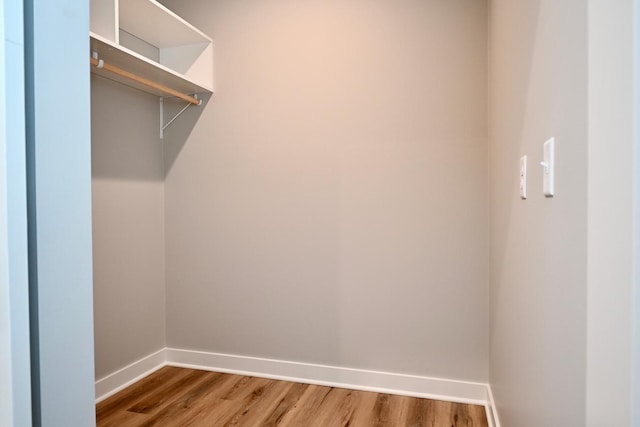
<point>176,397</point>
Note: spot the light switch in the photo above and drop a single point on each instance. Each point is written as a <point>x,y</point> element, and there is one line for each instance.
<point>548,163</point>
<point>523,177</point>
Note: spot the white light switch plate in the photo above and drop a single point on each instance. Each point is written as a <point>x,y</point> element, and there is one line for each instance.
<point>548,165</point>
<point>523,177</point>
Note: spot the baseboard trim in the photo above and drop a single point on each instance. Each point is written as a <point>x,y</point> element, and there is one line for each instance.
<point>356,379</point>
<point>492,411</point>
<point>113,383</point>
<point>333,376</point>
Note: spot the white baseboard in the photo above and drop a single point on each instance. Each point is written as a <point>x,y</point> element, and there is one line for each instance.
<point>356,379</point>
<point>492,411</point>
<point>113,383</point>
<point>333,376</point>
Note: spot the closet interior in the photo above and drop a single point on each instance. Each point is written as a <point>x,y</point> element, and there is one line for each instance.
<point>320,213</point>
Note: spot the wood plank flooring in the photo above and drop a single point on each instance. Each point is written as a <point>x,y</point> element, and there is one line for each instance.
<point>176,397</point>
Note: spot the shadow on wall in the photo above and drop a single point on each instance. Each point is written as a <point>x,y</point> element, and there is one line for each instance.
<point>125,132</point>
<point>176,134</point>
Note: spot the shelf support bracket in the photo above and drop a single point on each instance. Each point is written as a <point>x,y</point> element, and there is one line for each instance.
<point>163,126</point>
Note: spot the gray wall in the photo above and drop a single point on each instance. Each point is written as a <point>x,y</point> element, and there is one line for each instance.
<point>128,225</point>
<point>538,89</point>
<point>59,167</point>
<point>614,152</point>
<point>15,378</point>
<point>330,205</point>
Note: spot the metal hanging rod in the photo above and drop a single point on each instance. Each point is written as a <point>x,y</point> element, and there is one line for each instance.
<point>99,63</point>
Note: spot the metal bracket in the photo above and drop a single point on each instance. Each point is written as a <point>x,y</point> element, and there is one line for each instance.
<point>164,126</point>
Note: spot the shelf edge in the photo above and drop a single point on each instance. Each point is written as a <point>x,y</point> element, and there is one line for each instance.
<point>137,56</point>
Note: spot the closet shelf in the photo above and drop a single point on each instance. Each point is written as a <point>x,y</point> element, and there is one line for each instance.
<point>150,48</point>
<point>142,44</point>
<point>141,72</point>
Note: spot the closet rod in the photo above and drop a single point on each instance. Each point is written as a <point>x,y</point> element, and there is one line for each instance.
<point>143,81</point>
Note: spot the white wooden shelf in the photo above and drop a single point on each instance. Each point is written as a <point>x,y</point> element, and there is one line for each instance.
<point>145,38</point>
<point>157,25</point>
<point>134,62</point>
